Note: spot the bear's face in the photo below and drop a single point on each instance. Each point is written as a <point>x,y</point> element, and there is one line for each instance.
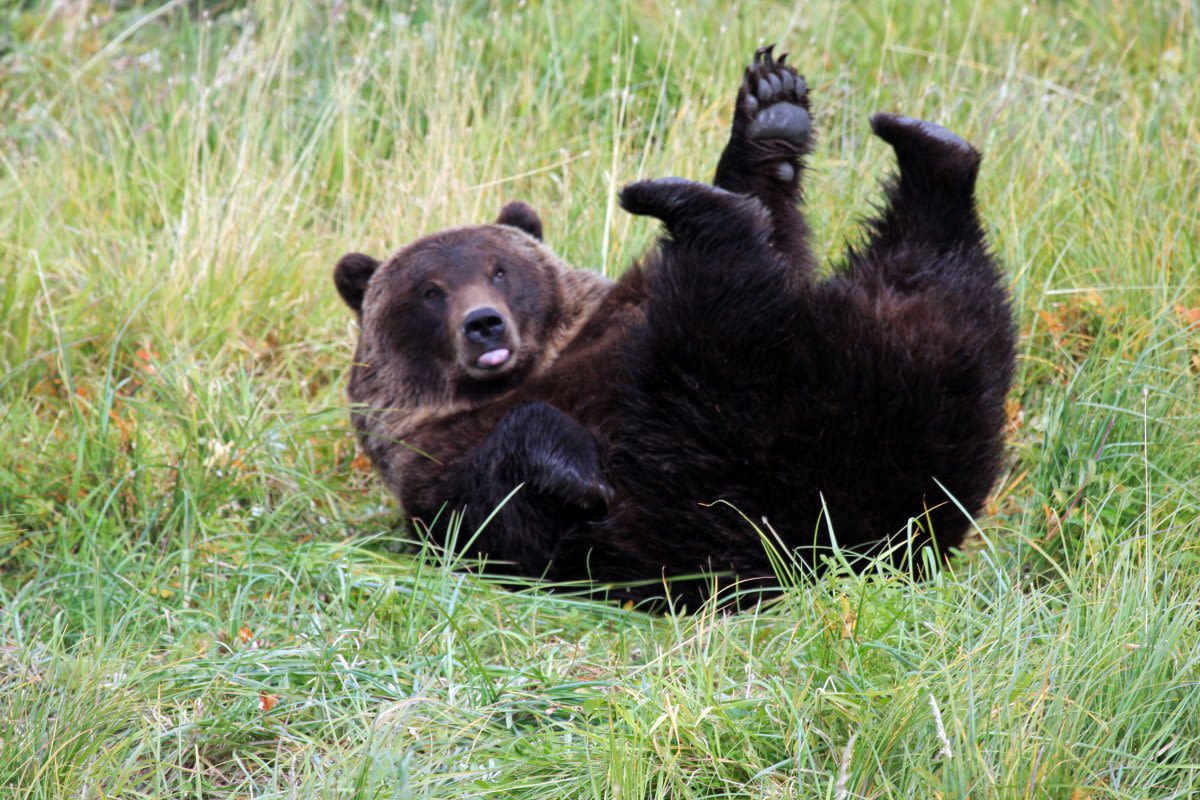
<point>474,300</point>
<point>462,310</point>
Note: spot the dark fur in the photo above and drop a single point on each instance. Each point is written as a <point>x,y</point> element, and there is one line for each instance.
<point>715,382</point>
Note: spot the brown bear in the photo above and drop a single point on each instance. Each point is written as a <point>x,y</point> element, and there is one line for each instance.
<point>716,412</point>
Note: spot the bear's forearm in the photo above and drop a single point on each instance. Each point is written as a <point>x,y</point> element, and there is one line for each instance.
<point>534,475</point>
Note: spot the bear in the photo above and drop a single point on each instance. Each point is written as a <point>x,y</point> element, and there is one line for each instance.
<point>717,412</point>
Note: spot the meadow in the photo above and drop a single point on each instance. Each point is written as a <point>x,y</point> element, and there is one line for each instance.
<point>205,593</point>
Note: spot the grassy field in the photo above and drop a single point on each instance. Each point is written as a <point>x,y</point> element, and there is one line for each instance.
<point>205,593</point>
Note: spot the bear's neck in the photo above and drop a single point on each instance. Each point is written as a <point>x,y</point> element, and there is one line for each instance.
<point>582,291</point>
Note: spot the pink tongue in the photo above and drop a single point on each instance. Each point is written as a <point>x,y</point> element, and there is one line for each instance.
<point>494,358</point>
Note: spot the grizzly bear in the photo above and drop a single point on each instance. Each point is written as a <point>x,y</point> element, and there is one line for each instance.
<point>718,411</point>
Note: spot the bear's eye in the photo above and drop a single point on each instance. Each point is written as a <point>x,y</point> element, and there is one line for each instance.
<point>432,294</point>
<point>498,275</point>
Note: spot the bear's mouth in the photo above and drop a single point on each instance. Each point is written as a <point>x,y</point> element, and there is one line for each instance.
<point>491,364</point>
<point>494,359</point>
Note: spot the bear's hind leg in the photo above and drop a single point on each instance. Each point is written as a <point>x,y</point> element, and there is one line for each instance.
<point>772,132</point>
<point>930,209</point>
<point>926,314</point>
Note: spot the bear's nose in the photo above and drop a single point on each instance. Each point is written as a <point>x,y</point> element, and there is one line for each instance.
<point>483,325</point>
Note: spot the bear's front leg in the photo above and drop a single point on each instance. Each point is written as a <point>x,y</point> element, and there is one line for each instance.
<point>552,454</point>
<point>557,465</point>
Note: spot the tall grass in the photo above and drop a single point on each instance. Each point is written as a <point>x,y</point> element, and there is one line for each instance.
<point>203,593</point>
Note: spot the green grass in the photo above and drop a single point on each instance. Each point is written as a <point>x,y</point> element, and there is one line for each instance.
<point>202,594</point>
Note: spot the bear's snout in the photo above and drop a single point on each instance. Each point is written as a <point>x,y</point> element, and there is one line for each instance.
<point>487,343</point>
<point>483,326</point>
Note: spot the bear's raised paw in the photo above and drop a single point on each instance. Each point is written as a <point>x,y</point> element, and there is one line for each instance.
<point>774,100</point>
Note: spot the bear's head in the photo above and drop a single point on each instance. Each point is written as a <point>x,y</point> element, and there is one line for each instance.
<point>462,312</point>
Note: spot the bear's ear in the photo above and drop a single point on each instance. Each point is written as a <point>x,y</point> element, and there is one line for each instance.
<point>521,215</point>
<point>350,276</point>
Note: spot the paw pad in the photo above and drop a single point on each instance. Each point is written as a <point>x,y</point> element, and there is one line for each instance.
<point>774,100</point>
